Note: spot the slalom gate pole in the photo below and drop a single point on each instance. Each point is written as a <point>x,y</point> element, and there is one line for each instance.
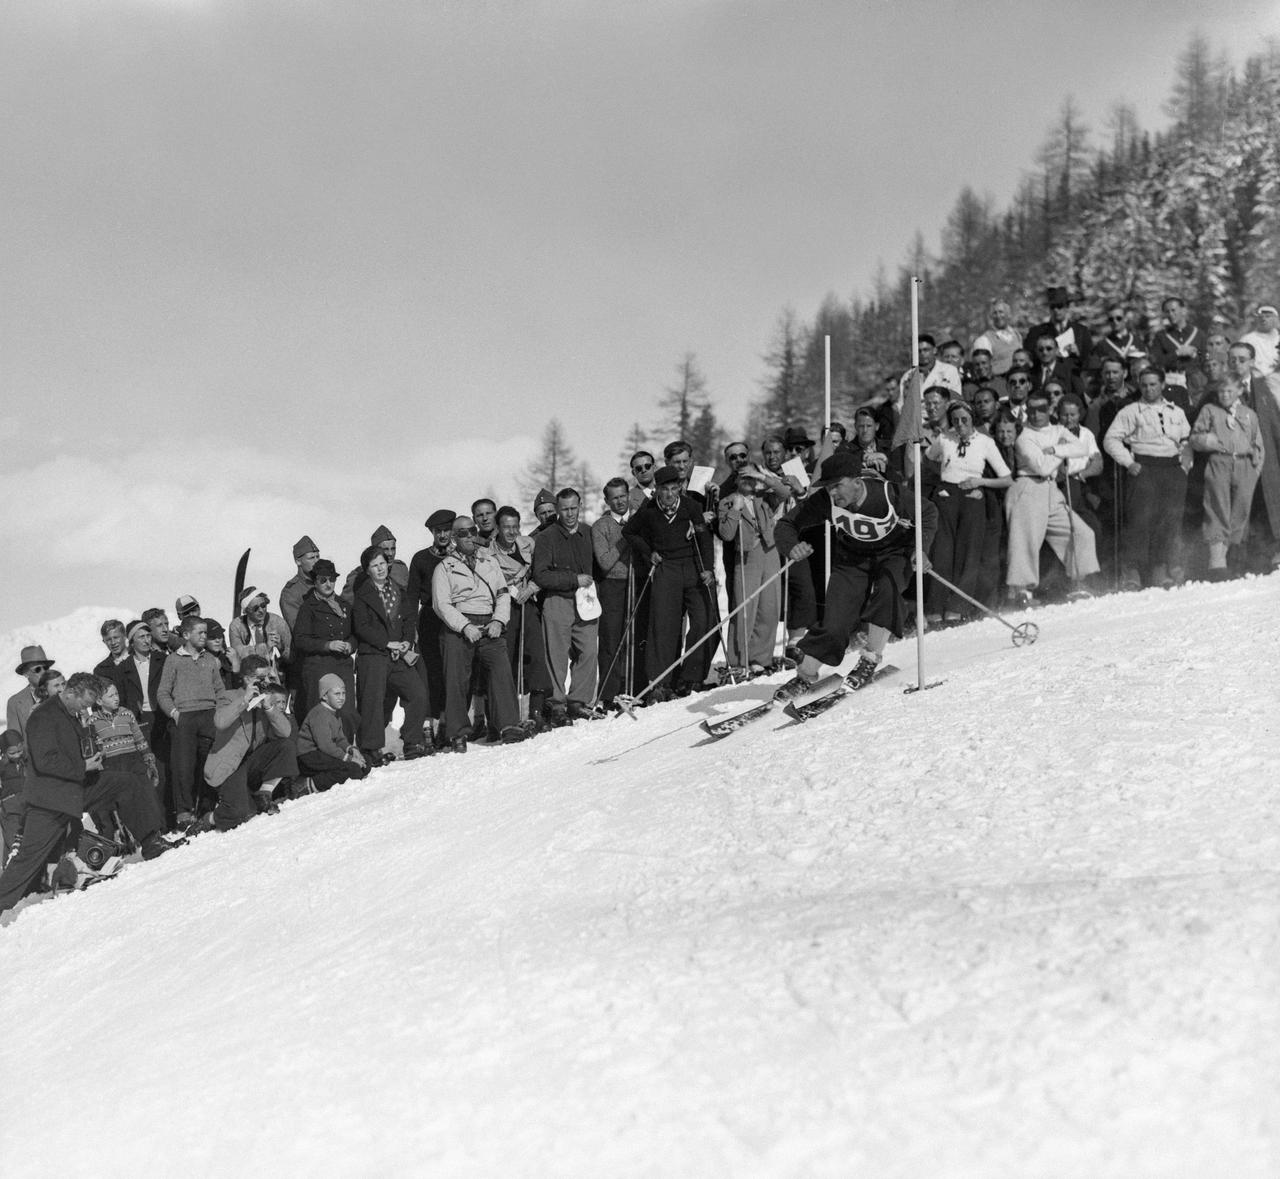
<point>915,365</point>
<point>632,701</point>
<point>1116,516</point>
<point>626,636</point>
<point>1024,634</point>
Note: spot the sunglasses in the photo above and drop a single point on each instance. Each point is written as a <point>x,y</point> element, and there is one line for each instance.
<point>1116,318</point>
<point>326,580</point>
<point>738,458</point>
<point>463,532</point>
<point>39,667</point>
<point>642,466</point>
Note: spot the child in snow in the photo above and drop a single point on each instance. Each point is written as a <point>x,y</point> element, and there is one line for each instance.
<point>326,752</point>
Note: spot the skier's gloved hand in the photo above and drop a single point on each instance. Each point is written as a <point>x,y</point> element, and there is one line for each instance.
<point>801,551</point>
<point>655,558</point>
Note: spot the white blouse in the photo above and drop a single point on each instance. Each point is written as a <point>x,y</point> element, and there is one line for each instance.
<point>979,450</point>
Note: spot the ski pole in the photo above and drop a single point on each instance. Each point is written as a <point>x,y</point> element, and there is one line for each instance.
<point>1072,572</point>
<point>1024,634</point>
<point>713,600</point>
<point>626,636</point>
<point>629,702</point>
<point>520,656</point>
<point>629,648</point>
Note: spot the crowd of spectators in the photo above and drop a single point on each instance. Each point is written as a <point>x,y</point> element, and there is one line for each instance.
<point>1057,462</point>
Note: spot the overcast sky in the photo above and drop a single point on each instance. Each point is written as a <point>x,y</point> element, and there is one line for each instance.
<point>273,268</point>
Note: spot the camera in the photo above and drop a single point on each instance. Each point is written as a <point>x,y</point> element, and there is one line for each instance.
<point>100,855</point>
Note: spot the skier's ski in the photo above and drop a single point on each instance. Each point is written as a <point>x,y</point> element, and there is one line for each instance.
<point>811,708</point>
<point>241,568</point>
<point>731,724</point>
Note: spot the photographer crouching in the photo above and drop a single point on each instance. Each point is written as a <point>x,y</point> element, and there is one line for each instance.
<point>65,778</point>
<point>254,748</point>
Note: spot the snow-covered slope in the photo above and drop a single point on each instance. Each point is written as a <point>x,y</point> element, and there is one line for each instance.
<point>1024,923</point>
<point>71,642</point>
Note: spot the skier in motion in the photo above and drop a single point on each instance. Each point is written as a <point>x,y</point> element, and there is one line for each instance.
<point>872,556</point>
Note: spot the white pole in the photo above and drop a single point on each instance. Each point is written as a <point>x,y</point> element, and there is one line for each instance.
<point>915,363</point>
<point>826,423</point>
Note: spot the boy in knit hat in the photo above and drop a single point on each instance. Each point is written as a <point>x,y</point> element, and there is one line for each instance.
<point>326,752</point>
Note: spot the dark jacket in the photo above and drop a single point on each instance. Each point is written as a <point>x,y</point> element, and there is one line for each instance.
<point>55,759</point>
<point>1081,334</point>
<point>134,695</point>
<point>559,556</point>
<point>651,532</point>
<point>318,626</point>
<point>884,502</point>
<point>373,627</point>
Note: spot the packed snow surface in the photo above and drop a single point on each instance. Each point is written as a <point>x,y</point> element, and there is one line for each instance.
<point>1025,923</point>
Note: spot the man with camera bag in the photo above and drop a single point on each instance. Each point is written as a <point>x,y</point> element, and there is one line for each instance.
<point>64,779</point>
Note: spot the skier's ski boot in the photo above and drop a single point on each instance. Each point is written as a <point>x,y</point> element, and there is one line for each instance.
<point>864,671</point>
<point>798,685</point>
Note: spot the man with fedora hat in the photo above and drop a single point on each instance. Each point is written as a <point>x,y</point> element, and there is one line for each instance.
<point>64,778</point>
<point>33,664</point>
<point>872,555</point>
<point>1075,342</point>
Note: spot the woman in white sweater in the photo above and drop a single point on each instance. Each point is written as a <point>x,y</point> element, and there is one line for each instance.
<point>965,457</point>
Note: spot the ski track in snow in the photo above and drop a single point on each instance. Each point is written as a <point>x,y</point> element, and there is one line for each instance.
<point>1024,923</point>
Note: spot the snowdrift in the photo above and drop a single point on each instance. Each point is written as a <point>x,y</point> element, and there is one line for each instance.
<point>1024,923</point>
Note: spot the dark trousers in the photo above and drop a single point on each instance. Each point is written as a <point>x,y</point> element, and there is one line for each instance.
<point>190,741</point>
<point>377,672</point>
<point>613,620</point>
<point>537,679</point>
<point>989,570</point>
<point>675,593</point>
<point>325,770</point>
<point>155,728</point>
<point>43,830</point>
<point>271,760</point>
<point>802,598</point>
<point>869,592</point>
<point>1153,505</point>
<point>957,549</point>
<point>11,809</point>
<point>491,656</point>
<point>431,666</point>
